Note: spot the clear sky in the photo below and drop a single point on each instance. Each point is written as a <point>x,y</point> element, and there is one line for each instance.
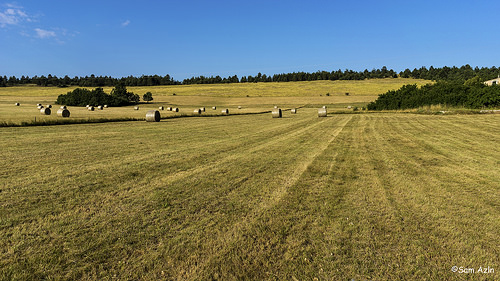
<point>188,38</point>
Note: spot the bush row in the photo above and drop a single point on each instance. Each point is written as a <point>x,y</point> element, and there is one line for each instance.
<point>469,95</point>
<point>119,96</point>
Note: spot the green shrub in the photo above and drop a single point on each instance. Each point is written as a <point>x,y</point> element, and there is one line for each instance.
<point>82,97</point>
<point>469,95</point>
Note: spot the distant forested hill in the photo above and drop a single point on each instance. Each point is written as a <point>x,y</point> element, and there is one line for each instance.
<point>437,74</point>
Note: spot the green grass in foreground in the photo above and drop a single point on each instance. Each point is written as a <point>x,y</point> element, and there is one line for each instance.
<point>363,197</point>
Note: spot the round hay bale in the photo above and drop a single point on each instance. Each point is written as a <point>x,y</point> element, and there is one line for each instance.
<point>87,106</point>
<point>100,107</point>
<point>277,113</point>
<point>63,107</point>
<point>225,111</point>
<point>45,111</point>
<point>161,108</point>
<point>90,108</point>
<point>239,106</point>
<point>63,112</point>
<point>197,111</point>
<point>40,107</point>
<point>17,104</point>
<point>169,108</point>
<point>49,106</point>
<point>153,116</point>
<point>175,109</point>
<point>322,112</point>
<point>349,107</point>
<point>275,106</point>
<point>324,106</point>
<point>202,109</point>
<point>294,110</point>
<point>136,108</point>
<point>214,107</point>
<point>38,104</point>
<point>105,106</point>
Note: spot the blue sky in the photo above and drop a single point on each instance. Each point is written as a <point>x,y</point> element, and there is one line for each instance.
<point>192,38</point>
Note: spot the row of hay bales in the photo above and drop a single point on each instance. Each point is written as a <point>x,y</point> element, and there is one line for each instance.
<point>155,116</point>
<point>277,112</point>
<point>92,108</point>
<point>196,111</point>
<point>46,110</point>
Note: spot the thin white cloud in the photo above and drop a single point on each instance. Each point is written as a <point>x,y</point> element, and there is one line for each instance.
<point>13,15</point>
<point>126,23</point>
<point>41,33</point>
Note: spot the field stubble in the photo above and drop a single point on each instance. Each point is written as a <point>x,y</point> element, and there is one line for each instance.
<point>385,196</point>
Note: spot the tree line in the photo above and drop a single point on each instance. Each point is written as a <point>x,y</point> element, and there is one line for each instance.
<point>473,93</point>
<point>445,73</point>
<point>457,74</point>
<point>88,81</point>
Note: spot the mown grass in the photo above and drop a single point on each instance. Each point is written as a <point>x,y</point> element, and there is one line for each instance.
<point>372,87</point>
<point>253,97</point>
<point>363,197</point>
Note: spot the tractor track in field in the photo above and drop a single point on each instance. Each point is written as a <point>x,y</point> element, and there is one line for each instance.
<point>262,134</point>
<point>241,226</point>
<point>241,152</point>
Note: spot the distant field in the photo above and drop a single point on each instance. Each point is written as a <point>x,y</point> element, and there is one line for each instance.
<point>261,97</point>
<point>369,87</point>
<point>382,196</point>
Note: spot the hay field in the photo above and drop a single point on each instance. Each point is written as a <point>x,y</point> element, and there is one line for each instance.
<point>261,97</point>
<point>354,196</point>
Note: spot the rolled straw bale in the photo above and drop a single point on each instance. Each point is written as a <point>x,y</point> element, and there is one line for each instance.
<point>136,108</point>
<point>105,106</point>
<point>239,106</point>
<point>38,104</point>
<point>324,106</point>
<point>175,109</point>
<point>49,106</point>
<point>202,109</point>
<point>63,112</point>
<point>90,108</point>
<point>349,107</point>
<point>225,111</point>
<point>197,111</point>
<point>40,107</point>
<point>100,107</point>
<point>293,110</point>
<point>214,107</point>
<point>322,112</point>
<point>161,108</point>
<point>63,107</point>
<point>45,111</point>
<point>153,116</point>
<point>87,106</point>
<point>169,108</point>
<point>276,113</point>
<point>16,104</point>
<point>275,106</point>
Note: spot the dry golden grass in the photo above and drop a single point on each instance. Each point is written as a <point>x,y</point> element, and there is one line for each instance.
<point>365,197</point>
<point>370,87</point>
<point>261,97</point>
